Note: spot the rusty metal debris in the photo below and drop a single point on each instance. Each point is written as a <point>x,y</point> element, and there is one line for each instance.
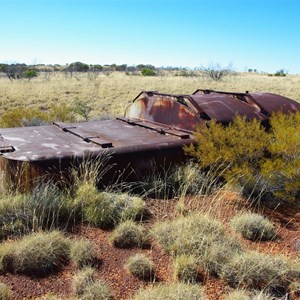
<point>154,128</point>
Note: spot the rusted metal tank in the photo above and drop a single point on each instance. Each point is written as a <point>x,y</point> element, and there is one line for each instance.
<point>153,130</point>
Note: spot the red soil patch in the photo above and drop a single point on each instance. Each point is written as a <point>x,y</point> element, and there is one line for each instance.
<point>112,260</point>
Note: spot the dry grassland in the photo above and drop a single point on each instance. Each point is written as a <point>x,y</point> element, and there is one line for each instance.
<point>109,96</point>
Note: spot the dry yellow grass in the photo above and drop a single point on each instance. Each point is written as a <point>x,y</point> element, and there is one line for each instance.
<point>110,95</point>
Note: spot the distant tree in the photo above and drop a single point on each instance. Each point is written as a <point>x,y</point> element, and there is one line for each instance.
<point>78,67</point>
<point>141,67</point>
<point>148,72</point>
<point>121,68</point>
<point>216,71</point>
<point>281,73</point>
<point>29,74</point>
<point>15,71</point>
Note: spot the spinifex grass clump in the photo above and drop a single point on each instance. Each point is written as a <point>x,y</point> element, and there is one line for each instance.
<point>45,207</point>
<point>36,254</point>
<point>186,269</point>
<point>5,292</point>
<point>129,234</point>
<point>253,226</point>
<point>141,266</point>
<point>259,271</point>
<point>82,253</point>
<point>198,235</point>
<point>171,291</point>
<point>87,287</point>
<point>105,209</point>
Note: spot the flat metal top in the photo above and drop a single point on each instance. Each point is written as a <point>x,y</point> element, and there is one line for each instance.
<point>66,140</point>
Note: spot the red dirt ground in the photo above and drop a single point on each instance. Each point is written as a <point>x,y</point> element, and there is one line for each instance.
<point>112,260</point>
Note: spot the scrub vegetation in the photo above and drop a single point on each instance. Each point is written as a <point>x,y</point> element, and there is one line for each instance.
<point>224,225</point>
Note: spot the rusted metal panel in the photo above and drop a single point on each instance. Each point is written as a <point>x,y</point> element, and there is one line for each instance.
<point>153,131</point>
<point>272,103</point>
<point>265,103</point>
<point>164,109</point>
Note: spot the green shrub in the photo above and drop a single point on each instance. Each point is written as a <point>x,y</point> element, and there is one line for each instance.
<point>86,287</point>
<point>30,73</point>
<point>256,270</point>
<point>37,254</point>
<point>253,226</point>
<point>171,291</point>
<point>82,253</point>
<point>198,235</point>
<point>186,269</point>
<point>129,234</point>
<point>148,72</point>
<point>245,151</point>
<point>140,266</point>
<point>5,292</point>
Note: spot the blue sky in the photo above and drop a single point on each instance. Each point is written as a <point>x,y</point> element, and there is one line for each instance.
<point>257,34</point>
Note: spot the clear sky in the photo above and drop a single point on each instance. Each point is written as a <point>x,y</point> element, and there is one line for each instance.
<point>257,34</point>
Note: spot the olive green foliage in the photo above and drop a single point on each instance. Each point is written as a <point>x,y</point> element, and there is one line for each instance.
<point>246,151</point>
<point>105,209</point>
<point>36,254</point>
<point>198,235</point>
<point>140,266</point>
<point>171,291</point>
<point>81,108</point>
<point>82,253</point>
<point>32,116</point>
<point>256,270</point>
<point>129,234</point>
<point>148,72</point>
<point>5,292</point>
<point>253,226</point>
<point>30,73</point>
<point>87,287</point>
<point>186,269</point>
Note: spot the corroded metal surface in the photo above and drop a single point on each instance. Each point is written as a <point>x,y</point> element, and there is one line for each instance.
<point>153,131</point>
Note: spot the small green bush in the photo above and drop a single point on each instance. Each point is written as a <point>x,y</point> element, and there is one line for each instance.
<point>256,270</point>
<point>5,292</point>
<point>148,72</point>
<point>171,291</point>
<point>82,253</point>
<point>186,269</point>
<point>37,254</point>
<point>129,234</point>
<point>86,287</point>
<point>140,266</point>
<point>253,226</point>
<point>245,151</point>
